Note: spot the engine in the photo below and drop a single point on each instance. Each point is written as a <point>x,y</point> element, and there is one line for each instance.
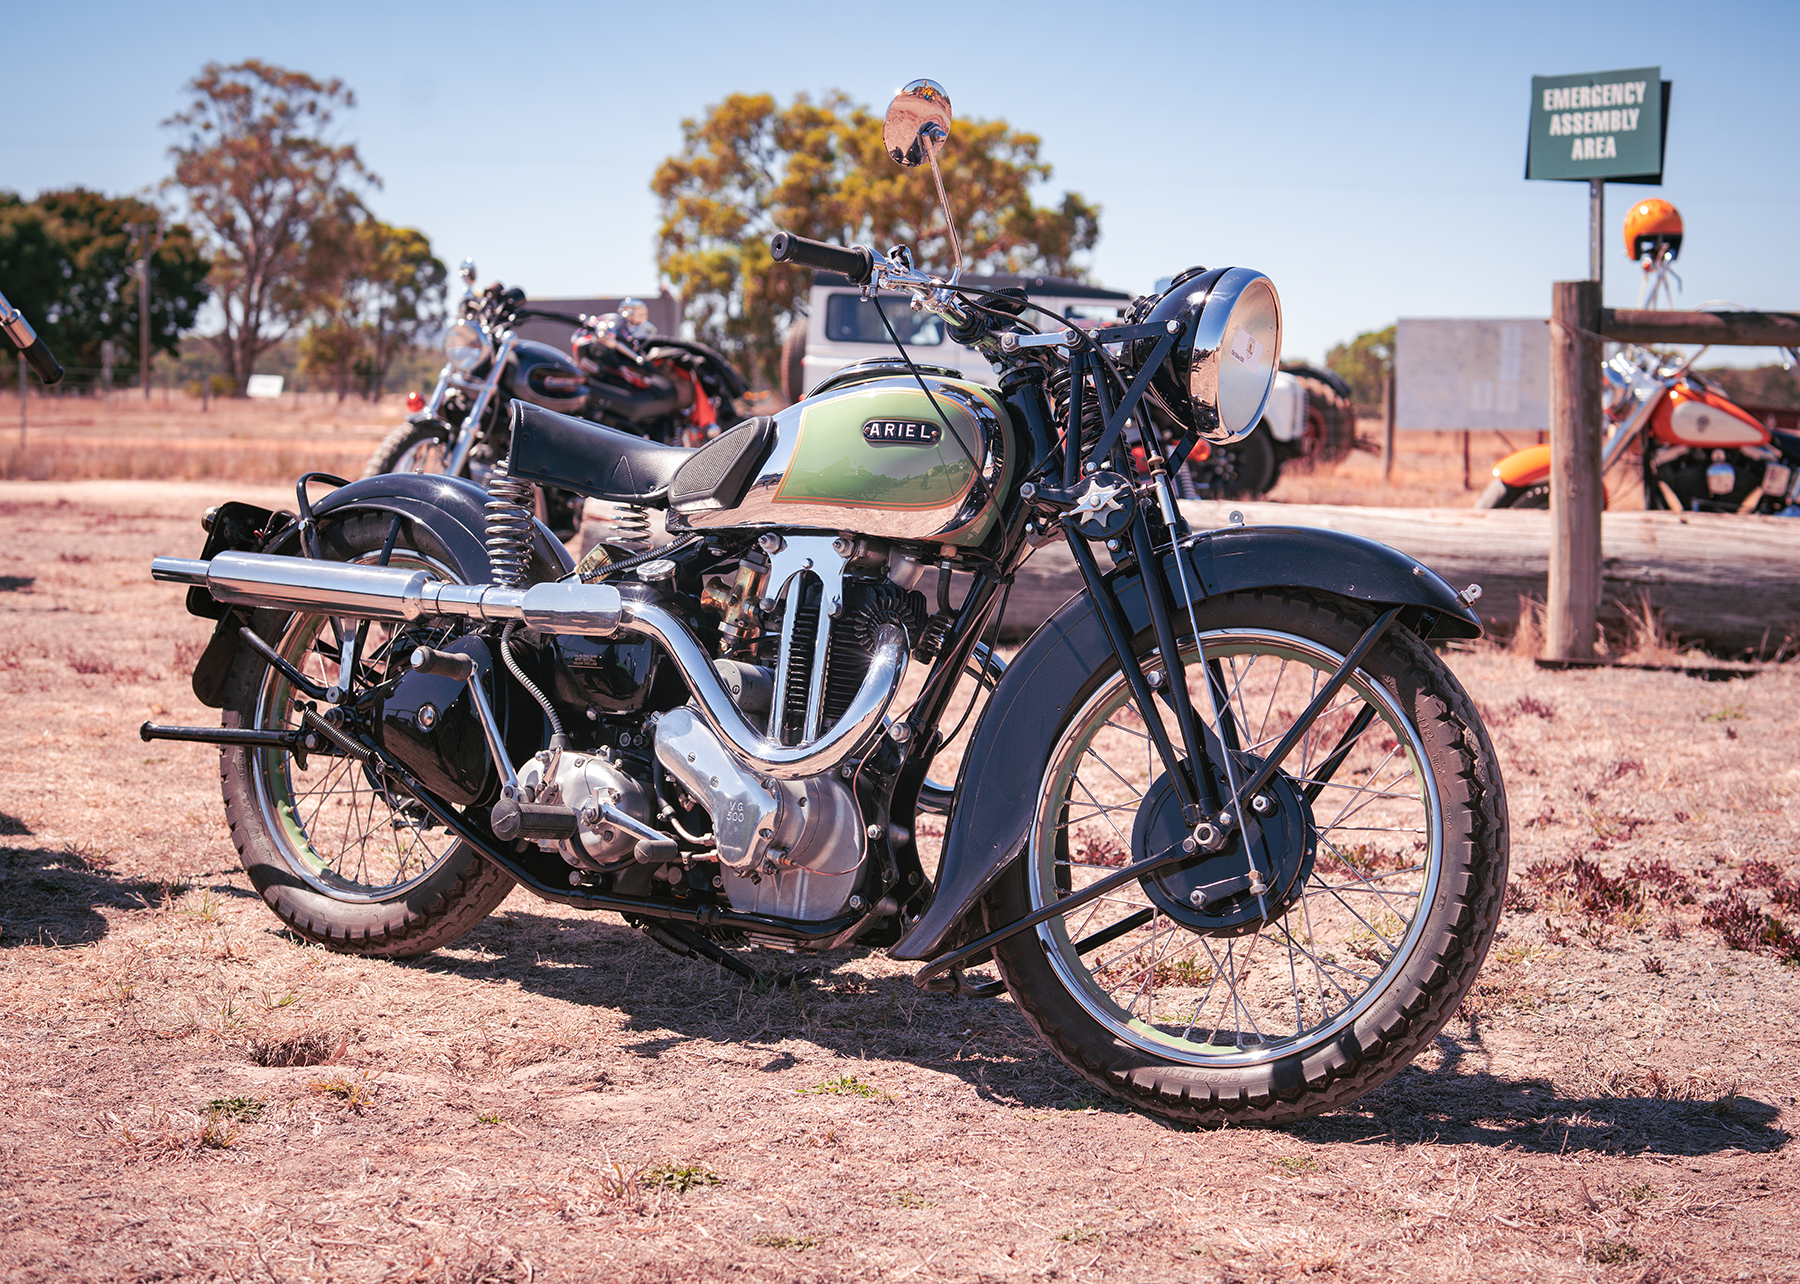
<point>791,849</point>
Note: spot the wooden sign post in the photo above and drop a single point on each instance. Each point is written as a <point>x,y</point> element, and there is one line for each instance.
<point>1597,127</point>
<point>1576,494</point>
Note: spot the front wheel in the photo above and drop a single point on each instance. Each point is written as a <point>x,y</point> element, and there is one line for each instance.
<point>422,447</point>
<point>1500,495</point>
<point>1382,844</point>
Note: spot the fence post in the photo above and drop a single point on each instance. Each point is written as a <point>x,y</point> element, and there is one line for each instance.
<point>1576,499</point>
<point>1387,428</point>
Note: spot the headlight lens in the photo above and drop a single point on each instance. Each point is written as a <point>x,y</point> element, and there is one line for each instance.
<point>1223,366</point>
<point>466,346</point>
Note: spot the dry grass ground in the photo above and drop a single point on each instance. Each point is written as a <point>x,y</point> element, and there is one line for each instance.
<point>191,1093</point>
<point>174,436</point>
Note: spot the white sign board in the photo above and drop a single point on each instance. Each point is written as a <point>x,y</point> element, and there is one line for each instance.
<point>1472,374</point>
<point>268,386</point>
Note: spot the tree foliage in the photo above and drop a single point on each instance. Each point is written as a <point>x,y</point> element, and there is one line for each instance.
<point>69,259</point>
<point>259,174</point>
<point>751,167</point>
<point>375,288</point>
<point>1364,363</point>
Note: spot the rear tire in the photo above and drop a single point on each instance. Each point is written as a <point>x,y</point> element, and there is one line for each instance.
<point>1242,470</point>
<point>355,867</point>
<point>1365,947</point>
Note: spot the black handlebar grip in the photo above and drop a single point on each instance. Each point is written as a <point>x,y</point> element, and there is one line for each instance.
<point>38,357</point>
<point>447,663</point>
<point>855,262</point>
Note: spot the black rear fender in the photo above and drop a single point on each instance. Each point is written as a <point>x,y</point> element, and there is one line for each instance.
<point>998,784</point>
<point>446,516</point>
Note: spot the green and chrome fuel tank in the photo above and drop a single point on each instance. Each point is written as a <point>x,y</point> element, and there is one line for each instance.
<point>869,454</point>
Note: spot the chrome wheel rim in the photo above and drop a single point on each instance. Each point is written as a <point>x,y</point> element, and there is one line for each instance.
<point>1308,973</point>
<point>429,456</point>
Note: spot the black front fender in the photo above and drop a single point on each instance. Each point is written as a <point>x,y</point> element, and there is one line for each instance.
<point>998,784</point>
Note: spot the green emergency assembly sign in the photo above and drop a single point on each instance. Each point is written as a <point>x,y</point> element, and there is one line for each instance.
<point>1605,124</point>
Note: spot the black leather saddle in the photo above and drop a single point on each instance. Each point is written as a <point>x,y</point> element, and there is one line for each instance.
<point>610,464</point>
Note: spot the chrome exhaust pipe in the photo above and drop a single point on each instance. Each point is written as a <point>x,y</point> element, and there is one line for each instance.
<point>748,745</point>
<point>349,590</point>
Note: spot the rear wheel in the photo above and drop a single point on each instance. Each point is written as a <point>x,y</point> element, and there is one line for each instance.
<point>1242,470</point>
<point>343,858</point>
<point>1384,873</point>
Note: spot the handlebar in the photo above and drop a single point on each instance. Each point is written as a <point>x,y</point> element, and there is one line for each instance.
<point>40,359</point>
<point>37,353</point>
<point>855,261</point>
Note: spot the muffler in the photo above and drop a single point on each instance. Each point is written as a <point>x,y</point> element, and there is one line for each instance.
<point>348,590</point>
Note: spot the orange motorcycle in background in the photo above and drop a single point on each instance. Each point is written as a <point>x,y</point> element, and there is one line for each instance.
<point>1698,452</point>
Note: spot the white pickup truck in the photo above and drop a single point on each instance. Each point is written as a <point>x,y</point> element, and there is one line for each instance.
<point>840,327</point>
<point>1309,418</point>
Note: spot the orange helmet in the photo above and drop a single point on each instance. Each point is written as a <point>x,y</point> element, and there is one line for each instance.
<point>1649,223</point>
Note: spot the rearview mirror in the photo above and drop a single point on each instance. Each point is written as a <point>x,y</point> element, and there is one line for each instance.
<point>917,124</point>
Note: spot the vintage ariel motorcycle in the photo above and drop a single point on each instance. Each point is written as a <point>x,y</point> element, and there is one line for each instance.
<point>1229,830</point>
<point>1696,450</point>
<point>619,371</point>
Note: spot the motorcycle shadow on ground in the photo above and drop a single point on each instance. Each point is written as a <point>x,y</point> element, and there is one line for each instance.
<point>1453,1104</point>
<point>54,896</point>
<point>858,1012</point>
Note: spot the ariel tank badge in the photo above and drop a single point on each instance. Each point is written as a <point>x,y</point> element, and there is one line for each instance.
<point>908,431</point>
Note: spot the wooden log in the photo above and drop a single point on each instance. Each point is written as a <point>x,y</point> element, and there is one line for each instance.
<point>1751,329</point>
<point>1577,497</point>
<point>1721,580</point>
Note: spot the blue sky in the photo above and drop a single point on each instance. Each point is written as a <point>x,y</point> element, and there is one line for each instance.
<point>1368,157</point>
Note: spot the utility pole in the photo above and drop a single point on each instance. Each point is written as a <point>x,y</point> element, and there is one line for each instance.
<point>145,249</point>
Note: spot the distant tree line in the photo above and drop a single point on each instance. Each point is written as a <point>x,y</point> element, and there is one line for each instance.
<point>68,259</point>
<point>268,220</point>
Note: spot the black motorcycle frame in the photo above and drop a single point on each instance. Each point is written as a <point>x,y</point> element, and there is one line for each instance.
<point>1161,568</point>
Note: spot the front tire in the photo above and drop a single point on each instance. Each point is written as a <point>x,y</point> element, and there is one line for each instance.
<point>1499,495</point>
<point>1283,1008</point>
<point>346,862</point>
<point>422,447</point>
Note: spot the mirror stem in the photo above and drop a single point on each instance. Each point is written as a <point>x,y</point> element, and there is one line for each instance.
<point>949,221</point>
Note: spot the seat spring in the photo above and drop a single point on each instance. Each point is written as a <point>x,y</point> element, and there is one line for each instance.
<point>624,525</point>
<point>509,527</point>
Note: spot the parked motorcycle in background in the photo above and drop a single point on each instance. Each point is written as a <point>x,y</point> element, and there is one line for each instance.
<point>1228,827</point>
<point>1696,450</point>
<point>619,371</point>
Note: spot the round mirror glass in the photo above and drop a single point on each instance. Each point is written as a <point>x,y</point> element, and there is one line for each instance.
<point>918,123</point>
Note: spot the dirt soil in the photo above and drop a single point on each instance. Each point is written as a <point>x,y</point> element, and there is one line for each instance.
<point>195,1094</point>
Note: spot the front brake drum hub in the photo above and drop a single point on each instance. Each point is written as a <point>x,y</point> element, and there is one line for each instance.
<point>1284,843</point>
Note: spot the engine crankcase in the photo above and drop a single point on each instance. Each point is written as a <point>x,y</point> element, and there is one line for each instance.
<point>584,781</point>
<point>788,848</point>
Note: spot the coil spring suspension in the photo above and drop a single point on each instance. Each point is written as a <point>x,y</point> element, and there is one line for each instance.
<point>624,525</point>
<point>509,527</point>
<point>1092,421</point>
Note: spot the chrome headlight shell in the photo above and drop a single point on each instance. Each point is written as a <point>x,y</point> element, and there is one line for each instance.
<point>467,346</point>
<point>1223,366</point>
